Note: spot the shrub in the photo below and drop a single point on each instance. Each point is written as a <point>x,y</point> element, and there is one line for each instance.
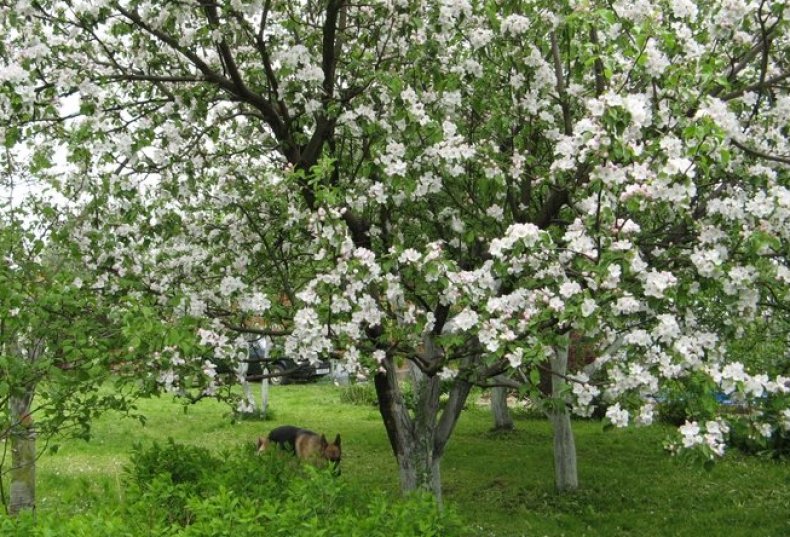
<point>175,490</point>
<point>360,394</point>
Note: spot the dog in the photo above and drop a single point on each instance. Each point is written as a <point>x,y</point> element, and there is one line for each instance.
<point>305,444</point>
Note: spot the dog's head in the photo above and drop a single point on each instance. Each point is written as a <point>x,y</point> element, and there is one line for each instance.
<point>263,444</point>
<point>332,452</point>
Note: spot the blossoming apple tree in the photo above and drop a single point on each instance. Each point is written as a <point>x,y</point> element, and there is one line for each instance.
<point>458,185</point>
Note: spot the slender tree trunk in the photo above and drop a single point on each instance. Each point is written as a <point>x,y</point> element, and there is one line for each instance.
<point>499,410</point>
<point>418,440</point>
<point>22,434</point>
<point>23,455</point>
<point>264,392</point>
<point>265,380</point>
<point>565,473</point>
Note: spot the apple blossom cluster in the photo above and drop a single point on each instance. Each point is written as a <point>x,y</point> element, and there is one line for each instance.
<point>711,434</point>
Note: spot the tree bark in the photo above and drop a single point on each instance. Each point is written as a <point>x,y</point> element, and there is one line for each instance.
<point>22,434</point>
<point>499,410</point>
<point>264,392</point>
<point>418,438</point>
<point>565,472</point>
<point>23,455</point>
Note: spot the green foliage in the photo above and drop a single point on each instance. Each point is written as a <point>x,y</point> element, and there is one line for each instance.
<point>187,491</point>
<point>745,437</point>
<point>502,484</point>
<point>687,399</point>
<point>362,394</point>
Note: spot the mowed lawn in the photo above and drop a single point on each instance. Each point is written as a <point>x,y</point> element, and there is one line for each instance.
<point>500,484</point>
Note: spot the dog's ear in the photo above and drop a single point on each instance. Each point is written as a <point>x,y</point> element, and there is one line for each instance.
<point>324,443</point>
<point>337,440</point>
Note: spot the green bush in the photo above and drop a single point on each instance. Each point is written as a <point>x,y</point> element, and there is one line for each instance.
<point>360,394</point>
<point>183,491</point>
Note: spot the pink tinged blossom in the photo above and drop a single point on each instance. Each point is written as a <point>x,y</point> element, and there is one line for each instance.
<point>707,262</point>
<point>515,24</point>
<point>684,9</point>
<point>209,369</point>
<point>255,303</point>
<point>755,385</point>
<point>766,430</point>
<point>447,374</point>
<point>657,282</point>
<point>556,304</point>
<point>569,289</point>
<point>634,10</point>
<point>613,274</point>
<point>617,416</point>
<point>679,166</point>
<point>528,234</point>
<point>627,305</point>
<point>638,106</point>
<point>495,211</point>
<point>588,307</point>
<point>229,285</point>
<point>584,394</point>
<point>645,416</point>
<point>785,423</point>
<point>515,358</point>
<point>639,338</point>
<point>168,379</point>
<point>657,61</point>
<point>409,256</point>
<point>628,227</point>
<point>13,73</point>
<point>691,434</point>
<point>667,329</point>
<point>714,438</point>
<point>480,37</point>
<point>638,264</point>
<point>465,320</point>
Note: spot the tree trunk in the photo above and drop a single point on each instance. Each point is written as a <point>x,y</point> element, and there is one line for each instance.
<point>23,455</point>
<point>565,474</point>
<point>502,419</point>
<point>264,392</point>
<point>418,439</point>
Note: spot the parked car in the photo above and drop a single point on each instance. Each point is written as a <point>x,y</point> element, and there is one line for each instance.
<point>285,369</point>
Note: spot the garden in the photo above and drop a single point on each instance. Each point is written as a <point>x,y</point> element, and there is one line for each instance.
<point>497,484</point>
<point>444,205</point>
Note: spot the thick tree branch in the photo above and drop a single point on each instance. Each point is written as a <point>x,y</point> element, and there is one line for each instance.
<point>236,88</point>
<point>564,104</point>
<point>760,154</point>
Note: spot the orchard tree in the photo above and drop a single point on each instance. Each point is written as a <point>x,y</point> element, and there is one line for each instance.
<point>71,347</point>
<point>364,174</point>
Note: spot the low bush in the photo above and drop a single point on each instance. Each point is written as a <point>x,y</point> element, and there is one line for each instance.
<point>182,491</point>
<point>361,394</point>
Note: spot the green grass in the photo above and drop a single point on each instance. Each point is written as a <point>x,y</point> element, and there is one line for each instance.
<point>500,483</point>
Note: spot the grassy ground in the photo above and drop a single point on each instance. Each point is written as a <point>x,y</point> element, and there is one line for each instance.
<point>500,483</point>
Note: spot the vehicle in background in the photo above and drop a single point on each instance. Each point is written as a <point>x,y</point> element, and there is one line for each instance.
<point>284,369</point>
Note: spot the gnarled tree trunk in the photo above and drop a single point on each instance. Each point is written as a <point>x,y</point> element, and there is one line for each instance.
<point>565,473</point>
<point>418,439</point>
<point>499,410</point>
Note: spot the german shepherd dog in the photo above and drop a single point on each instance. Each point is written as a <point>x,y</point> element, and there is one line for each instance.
<point>305,444</point>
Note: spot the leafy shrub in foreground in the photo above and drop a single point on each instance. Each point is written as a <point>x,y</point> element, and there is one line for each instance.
<point>182,491</point>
